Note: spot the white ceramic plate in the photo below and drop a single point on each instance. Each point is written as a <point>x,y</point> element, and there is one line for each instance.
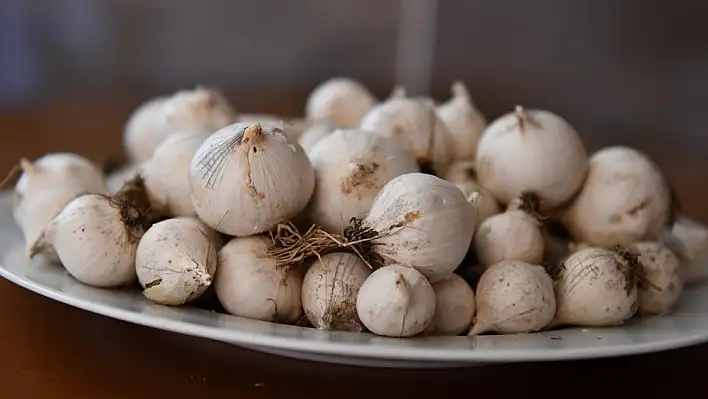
<point>688,325</point>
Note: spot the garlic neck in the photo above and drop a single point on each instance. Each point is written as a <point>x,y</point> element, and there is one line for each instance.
<point>459,90</point>
<point>522,117</point>
<point>253,134</point>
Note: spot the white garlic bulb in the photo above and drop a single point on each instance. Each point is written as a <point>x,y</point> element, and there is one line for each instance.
<point>625,199</point>
<point>661,282</point>
<point>595,287</point>
<point>314,133</point>
<point>422,221</point>
<point>343,101</point>
<point>175,261</point>
<point>396,301</point>
<point>329,291</point>
<point>465,121</point>
<point>166,173</point>
<point>464,176</point>
<point>512,235</point>
<point>531,151</point>
<point>249,284</point>
<point>199,110</point>
<point>689,240</point>
<point>455,306</point>
<point>416,127</point>
<point>514,297</point>
<point>96,239</point>
<point>246,178</point>
<point>351,166</point>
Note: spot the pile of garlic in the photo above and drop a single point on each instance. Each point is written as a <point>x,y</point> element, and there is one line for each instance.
<point>364,215</point>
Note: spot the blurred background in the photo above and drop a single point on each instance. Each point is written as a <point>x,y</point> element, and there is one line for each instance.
<point>629,72</point>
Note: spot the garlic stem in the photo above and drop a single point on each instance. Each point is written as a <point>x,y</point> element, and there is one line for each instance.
<point>253,134</point>
<point>522,117</point>
<point>459,90</point>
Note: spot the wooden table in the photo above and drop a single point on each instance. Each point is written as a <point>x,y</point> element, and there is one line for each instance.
<point>51,350</point>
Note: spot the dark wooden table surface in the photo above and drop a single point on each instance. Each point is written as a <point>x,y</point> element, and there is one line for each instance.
<point>51,350</point>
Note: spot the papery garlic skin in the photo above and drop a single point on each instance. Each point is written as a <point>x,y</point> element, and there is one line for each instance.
<point>330,289</point>
<point>661,282</point>
<point>532,151</point>
<point>246,178</point>
<point>416,127</point>
<point>624,199</point>
<point>249,284</point>
<point>595,287</point>
<point>343,101</point>
<point>455,306</point>
<point>514,297</point>
<point>689,240</point>
<point>351,166</point>
<point>93,242</point>
<point>199,110</point>
<point>464,120</point>
<point>463,175</point>
<point>512,235</point>
<point>314,133</point>
<point>166,173</point>
<point>176,261</point>
<point>396,301</point>
<point>422,221</point>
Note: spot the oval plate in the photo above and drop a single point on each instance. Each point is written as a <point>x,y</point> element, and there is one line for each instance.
<point>688,325</point>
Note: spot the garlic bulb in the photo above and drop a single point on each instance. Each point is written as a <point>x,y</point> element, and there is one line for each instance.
<point>314,133</point>
<point>455,306</point>
<point>166,173</point>
<point>464,176</point>
<point>512,235</point>
<point>416,127</point>
<point>246,178</point>
<point>419,220</point>
<point>661,282</point>
<point>351,166</point>
<point>532,151</point>
<point>625,199</point>
<point>249,284</point>
<point>199,110</point>
<point>342,101</point>
<point>175,261</point>
<point>329,291</point>
<point>46,186</point>
<point>117,179</point>
<point>96,237</point>
<point>595,287</point>
<point>514,297</point>
<point>689,240</point>
<point>396,301</point>
<point>465,121</point>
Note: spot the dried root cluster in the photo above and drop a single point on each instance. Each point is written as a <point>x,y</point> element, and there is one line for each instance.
<point>399,217</point>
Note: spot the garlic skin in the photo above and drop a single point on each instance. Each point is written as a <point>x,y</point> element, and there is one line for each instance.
<point>246,178</point>
<point>532,151</point>
<point>249,284</point>
<point>464,176</point>
<point>175,261</point>
<point>343,101</point>
<point>314,133</point>
<point>330,289</point>
<point>396,301</point>
<point>465,122</point>
<point>116,179</point>
<point>514,297</point>
<point>625,199</point>
<point>689,240</point>
<point>416,127</point>
<point>595,287</point>
<point>166,173</point>
<point>455,306</point>
<point>93,242</point>
<point>351,166</point>
<point>512,235</point>
<point>421,221</point>
<point>661,282</point>
<point>199,110</point>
